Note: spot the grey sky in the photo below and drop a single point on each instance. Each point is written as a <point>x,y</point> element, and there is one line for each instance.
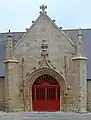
<point>18,14</point>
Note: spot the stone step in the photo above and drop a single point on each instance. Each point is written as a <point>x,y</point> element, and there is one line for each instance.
<point>44,116</point>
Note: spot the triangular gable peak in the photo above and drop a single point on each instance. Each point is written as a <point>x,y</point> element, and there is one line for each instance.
<point>43,13</point>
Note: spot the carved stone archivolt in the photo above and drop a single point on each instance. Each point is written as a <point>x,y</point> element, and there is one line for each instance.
<point>44,67</point>
<point>39,72</point>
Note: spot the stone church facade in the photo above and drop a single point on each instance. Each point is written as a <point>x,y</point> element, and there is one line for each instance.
<point>45,70</point>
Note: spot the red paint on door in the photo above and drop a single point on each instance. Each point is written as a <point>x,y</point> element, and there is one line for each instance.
<point>46,94</point>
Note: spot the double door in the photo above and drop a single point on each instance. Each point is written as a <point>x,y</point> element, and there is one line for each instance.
<point>46,97</point>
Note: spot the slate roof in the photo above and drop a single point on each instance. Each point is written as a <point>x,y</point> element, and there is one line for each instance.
<point>3,36</point>
<point>72,33</point>
<point>87,45</point>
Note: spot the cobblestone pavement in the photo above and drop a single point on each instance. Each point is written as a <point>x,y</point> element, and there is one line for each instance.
<point>44,116</point>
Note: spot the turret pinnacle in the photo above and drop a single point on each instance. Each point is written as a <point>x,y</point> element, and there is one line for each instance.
<point>79,42</point>
<point>9,46</point>
<point>9,34</point>
<point>80,35</point>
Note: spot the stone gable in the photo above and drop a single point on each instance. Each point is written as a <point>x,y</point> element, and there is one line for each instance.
<point>44,29</point>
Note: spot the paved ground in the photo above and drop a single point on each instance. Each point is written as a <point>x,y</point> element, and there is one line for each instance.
<point>44,116</point>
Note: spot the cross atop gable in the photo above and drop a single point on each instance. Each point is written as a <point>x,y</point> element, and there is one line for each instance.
<point>43,7</point>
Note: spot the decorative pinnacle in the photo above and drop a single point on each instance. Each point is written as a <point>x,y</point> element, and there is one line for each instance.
<point>80,32</point>
<point>80,36</point>
<point>9,31</point>
<point>43,7</point>
<point>9,45</point>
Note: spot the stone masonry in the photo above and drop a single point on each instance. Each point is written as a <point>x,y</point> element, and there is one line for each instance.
<point>61,54</point>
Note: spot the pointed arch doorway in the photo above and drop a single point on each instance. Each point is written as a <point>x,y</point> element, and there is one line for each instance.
<point>46,94</point>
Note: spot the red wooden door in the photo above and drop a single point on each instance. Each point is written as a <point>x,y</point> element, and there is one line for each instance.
<point>46,94</point>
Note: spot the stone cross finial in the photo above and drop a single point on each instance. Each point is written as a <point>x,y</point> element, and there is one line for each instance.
<point>43,7</point>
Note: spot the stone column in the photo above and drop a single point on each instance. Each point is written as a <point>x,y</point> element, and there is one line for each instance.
<point>80,83</point>
<point>12,99</point>
<point>12,102</point>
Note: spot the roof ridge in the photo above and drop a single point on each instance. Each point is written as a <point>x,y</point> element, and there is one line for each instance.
<point>69,29</point>
<point>76,29</point>
<point>11,32</point>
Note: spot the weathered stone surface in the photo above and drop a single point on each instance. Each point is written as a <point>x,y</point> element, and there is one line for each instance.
<point>30,44</point>
<point>60,52</point>
<point>80,83</point>
<point>89,96</point>
<point>12,101</point>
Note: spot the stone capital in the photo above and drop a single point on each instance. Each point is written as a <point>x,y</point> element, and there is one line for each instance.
<point>11,61</point>
<point>79,57</point>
